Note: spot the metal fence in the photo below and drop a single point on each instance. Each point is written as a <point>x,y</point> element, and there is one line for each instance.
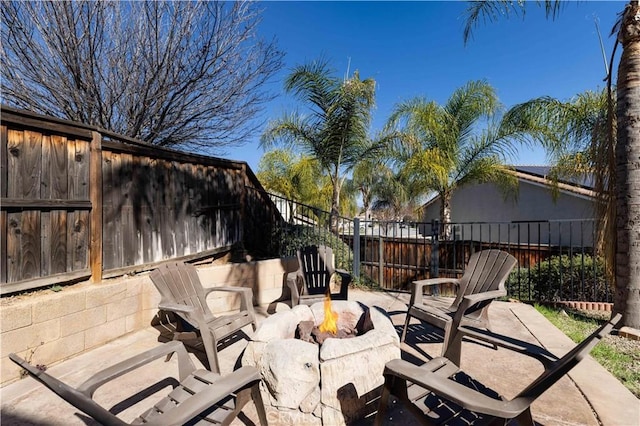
<point>556,260</point>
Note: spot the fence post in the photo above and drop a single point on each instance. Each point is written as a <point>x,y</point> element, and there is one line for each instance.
<point>435,255</point>
<point>356,248</point>
<point>380,261</point>
<point>95,196</point>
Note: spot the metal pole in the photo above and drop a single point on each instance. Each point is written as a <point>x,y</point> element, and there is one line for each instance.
<point>356,248</point>
<point>435,255</point>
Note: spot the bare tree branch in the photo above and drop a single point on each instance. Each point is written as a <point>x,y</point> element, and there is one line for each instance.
<point>187,74</point>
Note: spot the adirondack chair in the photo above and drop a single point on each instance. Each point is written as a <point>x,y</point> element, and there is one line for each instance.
<point>436,394</point>
<point>201,394</point>
<point>310,283</point>
<point>182,293</point>
<point>483,281</point>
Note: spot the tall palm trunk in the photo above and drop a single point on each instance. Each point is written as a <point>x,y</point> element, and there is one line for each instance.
<point>445,214</point>
<point>335,203</point>
<point>627,294</point>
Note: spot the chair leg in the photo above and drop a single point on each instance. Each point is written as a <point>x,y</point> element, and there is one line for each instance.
<point>404,329</point>
<point>384,402</point>
<point>453,350</point>
<point>447,337</point>
<point>257,400</point>
<point>211,349</point>
<point>170,354</point>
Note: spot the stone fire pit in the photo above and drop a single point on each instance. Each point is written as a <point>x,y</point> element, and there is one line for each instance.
<point>331,384</point>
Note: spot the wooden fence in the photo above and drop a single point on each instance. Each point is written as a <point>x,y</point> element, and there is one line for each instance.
<point>79,202</point>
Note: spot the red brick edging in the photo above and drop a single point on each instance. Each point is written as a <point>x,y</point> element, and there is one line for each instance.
<point>589,306</point>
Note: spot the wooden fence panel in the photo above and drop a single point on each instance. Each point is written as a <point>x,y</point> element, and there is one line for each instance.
<point>152,204</point>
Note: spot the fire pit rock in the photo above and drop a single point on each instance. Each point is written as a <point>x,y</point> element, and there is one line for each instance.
<point>328,384</point>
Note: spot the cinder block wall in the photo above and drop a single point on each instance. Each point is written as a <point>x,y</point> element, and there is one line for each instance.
<point>50,327</point>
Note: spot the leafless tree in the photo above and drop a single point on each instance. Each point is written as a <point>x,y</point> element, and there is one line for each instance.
<point>174,73</point>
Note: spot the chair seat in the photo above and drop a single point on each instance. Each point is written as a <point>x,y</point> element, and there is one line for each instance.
<point>197,382</point>
<point>229,324</point>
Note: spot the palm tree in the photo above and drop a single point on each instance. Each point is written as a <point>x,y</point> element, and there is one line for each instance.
<point>335,132</point>
<point>294,177</point>
<point>440,148</point>
<point>367,176</point>
<point>627,145</point>
<point>397,194</point>
<point>577,137</point>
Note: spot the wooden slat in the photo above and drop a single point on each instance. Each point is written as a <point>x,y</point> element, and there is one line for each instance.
<point>180,197</point>
<point>127,226</point>
<point>78,164</point>
<point>95,218</point>
<point>191,186</point>
<point>58,168</point>
<point>3,161</point>
<point>77,243</point>
<point>31,165</point>
<point>14,254</point>
<point>108,213</point>
<point>45,243</point>
<point>30,245</point>
<point>46,176</point>
<point>14,163</point>
<point>3,247</point>
<point>143,210</point>
<point>58,242</point>
<point>40,204</point>
<point>116,214</point>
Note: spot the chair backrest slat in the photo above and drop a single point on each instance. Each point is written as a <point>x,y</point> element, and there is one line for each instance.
<point>486,270</point>
<point>317,267</point>
<point>178,282</point>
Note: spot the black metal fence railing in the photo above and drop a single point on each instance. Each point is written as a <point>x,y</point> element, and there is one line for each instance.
<point>556,259</point>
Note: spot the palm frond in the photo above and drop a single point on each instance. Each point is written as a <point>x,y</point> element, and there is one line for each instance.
<point>490,11</point>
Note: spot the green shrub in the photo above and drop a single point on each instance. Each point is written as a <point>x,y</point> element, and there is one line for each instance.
<point>580,277</point>
<point>292,237</point>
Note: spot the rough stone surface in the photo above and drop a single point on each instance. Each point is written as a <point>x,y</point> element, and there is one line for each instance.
<point>334,381</point>
<point>291,371</point>
<point>311,402</point>
<point>282,325</point>
<point>349,381</point>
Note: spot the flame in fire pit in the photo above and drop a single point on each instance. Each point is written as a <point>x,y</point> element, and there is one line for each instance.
<point>330,323</point>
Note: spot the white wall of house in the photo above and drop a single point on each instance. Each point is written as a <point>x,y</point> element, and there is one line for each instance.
<point>562,221</point>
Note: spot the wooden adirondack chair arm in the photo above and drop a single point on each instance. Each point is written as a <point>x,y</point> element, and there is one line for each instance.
<point>185,366</point>
<point>471,299</point>
<point>417,287</point>
<point>455,392</point>
<point>202,400</point>
<point>176,307</point>
<point>245,295</point>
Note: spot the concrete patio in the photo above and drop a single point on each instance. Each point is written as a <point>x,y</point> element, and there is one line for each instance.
<point>588,396</point>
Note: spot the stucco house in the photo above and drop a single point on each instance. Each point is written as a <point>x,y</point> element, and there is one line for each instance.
<point>483,212</point>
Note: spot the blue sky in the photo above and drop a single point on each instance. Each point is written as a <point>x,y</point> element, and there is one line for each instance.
<point>416,49</point>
